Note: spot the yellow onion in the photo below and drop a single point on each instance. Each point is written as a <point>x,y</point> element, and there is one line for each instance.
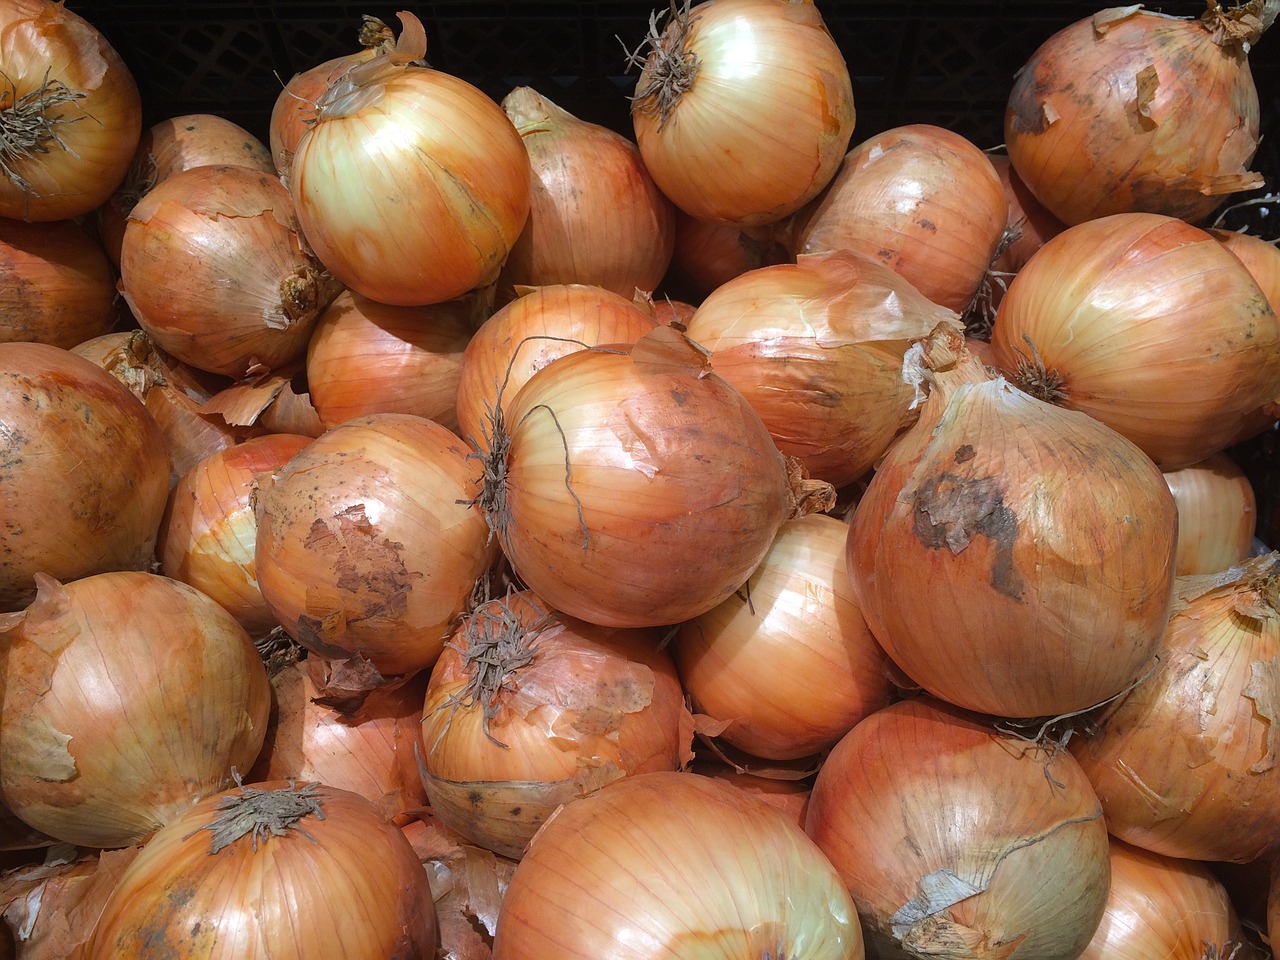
<point>1012,557</point>
<point>1217,515</point>
<point>367,548</point>
<point>528,709</point>
<point>1149,325</point>
<point>743,108</point>
<point>595,216</point>
<point>127,697</point>
<point>674,863</point>
<point>411,185</point>
<point>788,795</point>
<point>73,433</point>
<point>70,113</point>
<point>1186,763</point>
<point>788,660</point>
<point>707,254</point>
<point>1135,110</point>
<point>816,347</point>
<point>272,871</point>
<point>923,201</point>
<point>1162,908</point>
<point>956,840</point>
<point>1261,257</point>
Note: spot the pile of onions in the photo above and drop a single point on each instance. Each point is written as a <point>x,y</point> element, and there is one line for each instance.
<point>1012,557</point>
<point>674,861</point>
<point>1186,764</point>
<point>632,487</point>
<point>595,216</point>
<point>957,840</point>
<point>1134,110</point>
<point>56,284</point>
<point>528,709</point>
<point>788,660</point>
<point>209,531</point>
<point>1151,326</point>
<point>816,347</point>
<point>73,431</point>
<point>411,185</point>
<point>366,357</point>
<point>707,254</point>
<point>1217,515</point>
<point>920,199</point>
<point>269,870</point>
<point>743,108</point>
<point>367,547</point>
<point>70,113</point>
<point>128,697</point>
<point>249,292</point>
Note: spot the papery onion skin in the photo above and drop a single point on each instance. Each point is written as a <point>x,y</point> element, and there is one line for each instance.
<point>1144,322</point>
<point>765,120</point>
<point>1185,764</point>
<point>960,841</point>
<point>56,284</point>
<point>674,864</point>
<point>344,884</point>
<point>1217,515</point>
<point>128,697</point>
<point>73,429</point>
<point>1133,110</point>
<point>95,111</point>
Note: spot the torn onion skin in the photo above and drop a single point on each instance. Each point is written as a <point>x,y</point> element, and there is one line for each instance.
<point>1217,515</point>
<point>954,838</point>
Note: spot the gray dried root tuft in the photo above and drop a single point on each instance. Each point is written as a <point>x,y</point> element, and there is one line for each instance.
<point>29,124</point>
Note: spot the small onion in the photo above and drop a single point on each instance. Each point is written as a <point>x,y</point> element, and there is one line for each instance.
<point>959,841</point>
<point>1261,257</point>
<point>664,864</point>
<point>1030,225</point>
<point>128,697</point>
<point>788,795</point>
<point>707,254</point>
<point>1217,515</point>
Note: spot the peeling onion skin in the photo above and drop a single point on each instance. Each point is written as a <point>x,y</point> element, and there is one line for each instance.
<point>1186,764</point>
<point>674,865</point>
<point>349,888</point>
<point>128,697</point>
<point>1217,515</point>
<point>1133,111</point>
<point>920,799</point>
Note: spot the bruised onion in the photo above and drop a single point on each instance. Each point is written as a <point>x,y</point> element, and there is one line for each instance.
<point>56,284</point>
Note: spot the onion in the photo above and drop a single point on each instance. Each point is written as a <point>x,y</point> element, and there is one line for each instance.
<point>667,311</point>
<point>248,293</point>
<point>816,347</point>
<point>674,862</point>
<point>1146,323</point>
<point>787,795</point>
<point>956,840</point>
<point>73,432</point>
<point>527,334</point>
<point>528,709</point>
<point>788,659</point>
<point>1012,557</point>
<point>56,284</point>
<point>1217,515</point>
<point>1261,257</point>
<point>1160,908</point>
<point>1186,763</point>
<point>366,357</point>
<point>70,113</point>
<point>707,254</point>
<point>1133,110</point>
<point>743,108</point>
<point>269,871</point>
<point>128,697</point>
<point>634,487</point>
<point>595,215</point>
<point>209,531</point>
<point>411,185</point>
<point>367,548</point>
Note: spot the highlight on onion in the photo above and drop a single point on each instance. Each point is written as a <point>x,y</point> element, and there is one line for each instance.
<point>743,108</point>
<point>70,113</point>
<point>955,839</point>
<point>71,428</point>
<point>128,697</point>
<point>1133,110</point>
<point>1012,557</point>
<point>1150,325</point>
<point>1217,515</point>
<point>1185,763</point>
<point>663,859</point>
<point>269,870</point>
<point>528,709</point>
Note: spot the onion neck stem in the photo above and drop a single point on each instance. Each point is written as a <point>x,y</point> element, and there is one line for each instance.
<point>27,127</point>
<point>670,67</point>
<point>259,814</point>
